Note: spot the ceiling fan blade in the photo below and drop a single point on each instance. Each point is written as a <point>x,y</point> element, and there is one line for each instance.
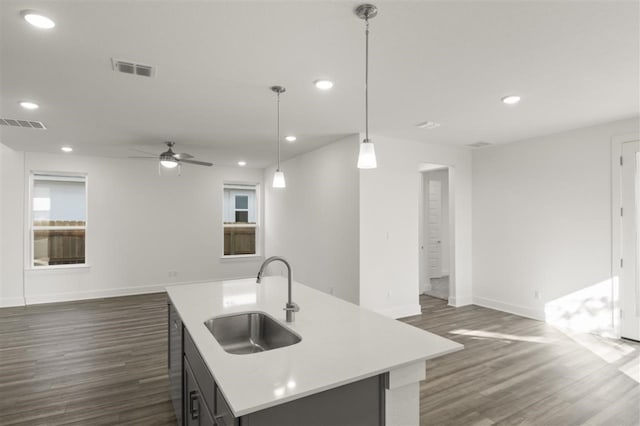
<point>144,152</point>
<point>182,156</point>
<point>200,163</point>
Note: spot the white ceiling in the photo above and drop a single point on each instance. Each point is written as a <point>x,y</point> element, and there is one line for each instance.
<point>574,64</point>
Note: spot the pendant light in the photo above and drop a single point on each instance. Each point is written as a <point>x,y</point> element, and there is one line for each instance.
<point>367,156</point>
<point>278,176</point>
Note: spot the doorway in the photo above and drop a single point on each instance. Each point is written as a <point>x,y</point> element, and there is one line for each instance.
<point>630,241</point>
<point>435,241</point>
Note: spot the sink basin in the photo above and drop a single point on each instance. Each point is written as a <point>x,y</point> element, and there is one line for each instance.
<point>250,332</point>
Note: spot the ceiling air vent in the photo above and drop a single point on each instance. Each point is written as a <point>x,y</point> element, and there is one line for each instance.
<point>132,68</point>
<point>21,123</point>
<point>479,144</point>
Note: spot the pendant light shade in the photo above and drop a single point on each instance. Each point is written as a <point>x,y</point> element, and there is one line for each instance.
<point>278,180</point>
<point>278,176</point>
<point>367,156</point>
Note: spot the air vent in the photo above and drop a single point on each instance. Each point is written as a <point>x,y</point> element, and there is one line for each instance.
<point>132,68</point>
<point>22,123</point>
<point>479,144</point>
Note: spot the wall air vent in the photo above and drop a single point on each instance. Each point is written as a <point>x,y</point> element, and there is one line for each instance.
<point>479,144</point>
<point>22,123</point>
<point>132,68</point>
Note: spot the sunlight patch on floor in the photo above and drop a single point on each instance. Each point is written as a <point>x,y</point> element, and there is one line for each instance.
<point>500,336</point>
<point>632,368</point>
<point>610,350</point>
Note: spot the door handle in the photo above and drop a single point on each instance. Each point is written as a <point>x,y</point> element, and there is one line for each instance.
<point>194,406</point>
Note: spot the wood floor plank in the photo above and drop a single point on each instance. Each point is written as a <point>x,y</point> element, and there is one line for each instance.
<point>103,362</point>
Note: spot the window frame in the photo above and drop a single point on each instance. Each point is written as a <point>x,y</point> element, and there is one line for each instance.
<point>35,175</point>
<point>257,226</point>
<point>236,209</point>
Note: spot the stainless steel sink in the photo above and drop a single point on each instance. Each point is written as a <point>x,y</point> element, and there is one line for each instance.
<point>250,332</point>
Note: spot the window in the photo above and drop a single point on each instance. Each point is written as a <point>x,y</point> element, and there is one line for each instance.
<point>58,219</point>
<point>240,219</point>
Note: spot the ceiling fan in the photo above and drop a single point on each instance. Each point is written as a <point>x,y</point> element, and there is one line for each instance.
<point>170,159</point>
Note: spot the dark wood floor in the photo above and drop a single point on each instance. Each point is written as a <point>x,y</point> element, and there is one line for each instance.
<point>103,362</point>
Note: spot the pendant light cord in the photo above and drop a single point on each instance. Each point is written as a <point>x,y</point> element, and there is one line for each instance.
<point>278,130</point>
<point>366,81</point>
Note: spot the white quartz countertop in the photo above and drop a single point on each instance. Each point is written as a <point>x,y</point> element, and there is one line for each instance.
<point>341,342</point>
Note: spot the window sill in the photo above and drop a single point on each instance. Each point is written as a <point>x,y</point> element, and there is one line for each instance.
<point>61,268</point>
<point>241,257</point>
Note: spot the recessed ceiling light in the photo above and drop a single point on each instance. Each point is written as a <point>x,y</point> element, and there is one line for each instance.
<point>428,125</point>
<point>37,19</point>
<point>66,149</point>
<point>291,138</point>
<point>511,99</point>
<point>323,84</point>
<point>29,105</point>
<point>242,163</point>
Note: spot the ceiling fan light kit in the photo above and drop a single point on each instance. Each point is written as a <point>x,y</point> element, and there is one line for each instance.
<point>367,155</point>
<point>172,160</point>
<point>169,164</point>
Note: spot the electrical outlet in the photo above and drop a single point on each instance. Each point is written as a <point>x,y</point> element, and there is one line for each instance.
<point>172,273</point>
<point>330,290</point>
<point>536,294</point>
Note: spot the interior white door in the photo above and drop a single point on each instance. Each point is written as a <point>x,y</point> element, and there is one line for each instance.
<point>434,228</point>
<point>425,283</point>
<point>630,271</point>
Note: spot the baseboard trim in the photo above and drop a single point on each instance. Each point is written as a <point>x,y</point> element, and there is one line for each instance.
<point>460,301</point>
<point>523,311</point>
<point>114,292</point>
<point>9,302</point>
<point>93,294</point>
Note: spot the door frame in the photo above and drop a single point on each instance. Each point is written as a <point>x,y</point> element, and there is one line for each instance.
<point>616,222</point>
<point>423,261</point>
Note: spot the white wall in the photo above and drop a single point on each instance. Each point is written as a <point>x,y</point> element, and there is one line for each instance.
<point>140,227</point>
<point>313,222</point>
<point>390,229</point>
<point>542,222</point>
<point>11,226</point>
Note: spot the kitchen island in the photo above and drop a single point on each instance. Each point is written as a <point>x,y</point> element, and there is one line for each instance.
<point>351,364</point>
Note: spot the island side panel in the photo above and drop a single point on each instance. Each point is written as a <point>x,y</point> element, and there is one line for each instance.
<point>357,404</point>
<point>402,402</point>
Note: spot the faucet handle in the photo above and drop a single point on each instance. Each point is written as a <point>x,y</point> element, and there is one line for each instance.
<point>293,307</point>
<point>290,308</point>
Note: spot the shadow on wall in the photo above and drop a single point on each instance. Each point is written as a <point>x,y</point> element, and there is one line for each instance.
<point>589,310</point>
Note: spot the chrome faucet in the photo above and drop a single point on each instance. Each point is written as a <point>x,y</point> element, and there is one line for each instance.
<point>290,307</point>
